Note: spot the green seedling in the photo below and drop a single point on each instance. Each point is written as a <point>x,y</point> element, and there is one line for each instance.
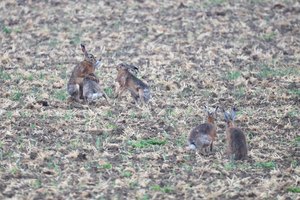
<point>230,165</point>
<point>60,94</point>
<point>165,189</point>
<point>233,75</point>
<point>98,143</point>
<point>106,166</point>
<point>16,96</point>
<point>37,184</point>
<point>269,36</point>
<point>7,30</point>
<point>109,92</point>
<point>295,92</point>
<point>127,174</point>
<point>266,165</point>
<point>294,189</point>
<point>147,142</point>
<point>4,75</point>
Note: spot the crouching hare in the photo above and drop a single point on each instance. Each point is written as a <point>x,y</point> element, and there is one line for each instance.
<point>203,135</point>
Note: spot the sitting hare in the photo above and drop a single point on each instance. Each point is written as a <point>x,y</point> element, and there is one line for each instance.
<point>127,81</point>
<point>203,135</point>
<point>84,68</point>
<point>236,140</point>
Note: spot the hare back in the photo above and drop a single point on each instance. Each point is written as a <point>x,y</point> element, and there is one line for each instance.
<point>90,87</point>
<point>203,129</point>
<point>138,83</point>
<point>237,145</point>
<point>202,134</point>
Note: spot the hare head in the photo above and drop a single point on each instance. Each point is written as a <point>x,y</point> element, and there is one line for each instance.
<point>127,67</point>
<point>211,114</point>
<point>230,117</point>
<point>90,57</point>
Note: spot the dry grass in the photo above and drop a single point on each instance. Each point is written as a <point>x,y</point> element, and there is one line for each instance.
<point>243,53</point>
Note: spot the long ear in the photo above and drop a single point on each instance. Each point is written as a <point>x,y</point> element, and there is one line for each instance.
<point>132,68</point>
<point>215,112</point>
<point>233,113</point>
<point>206,108</point>
<point>226,116</point>
<point>135,69</point>
<point>216,109</point>
<point>84,50</point>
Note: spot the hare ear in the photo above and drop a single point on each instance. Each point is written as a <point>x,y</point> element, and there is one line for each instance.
<point>216,109</point>
<point>226,116</point>
<point>233,113</point>
<point>84,50</point>
<point>206,108</point>
<point>215,112</point>
<point>135,68</point>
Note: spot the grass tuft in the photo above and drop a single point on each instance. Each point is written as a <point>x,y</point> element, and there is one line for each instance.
<point>37,184</point>
<point>16,96</point>
<point>106,166</point>
<point>127,174</point>
<point>109,92</point>
<point>60,95</point>
<point>294,92</point>
<point>294,189</point>
<point>266,165</point>
<point>268,72</point>
<point>4,75</point>
<point>147,142</point>
<point>269,36</point>
<point>6,30</point>
<point>233,75</point>
<point>165,189</point>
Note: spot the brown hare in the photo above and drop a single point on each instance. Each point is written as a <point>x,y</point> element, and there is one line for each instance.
<point>91,89</point>
<point>84,68</point>
<point>203,135</point>
<point>236,140</point>
<point>127,81</point>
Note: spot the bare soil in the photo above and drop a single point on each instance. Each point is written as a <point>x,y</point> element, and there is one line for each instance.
<point>191,53</point>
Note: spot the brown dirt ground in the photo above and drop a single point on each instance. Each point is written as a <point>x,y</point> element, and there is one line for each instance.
<point>216,52</point>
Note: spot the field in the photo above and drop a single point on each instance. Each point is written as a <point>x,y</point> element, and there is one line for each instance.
<point>191,53</point>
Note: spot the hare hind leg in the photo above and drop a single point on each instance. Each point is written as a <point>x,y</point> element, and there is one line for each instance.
<point>119,91</point>
<point>74,91</point>
<point>142,96</point>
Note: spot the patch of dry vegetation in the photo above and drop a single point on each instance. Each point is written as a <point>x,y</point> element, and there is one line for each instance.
<point>218,52</point>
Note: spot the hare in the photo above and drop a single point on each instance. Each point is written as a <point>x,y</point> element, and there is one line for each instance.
<point>236,140</point>
<point>84,68</point>
<point>203,135</point>
<point>91,89</point>
<point>127,81</point>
